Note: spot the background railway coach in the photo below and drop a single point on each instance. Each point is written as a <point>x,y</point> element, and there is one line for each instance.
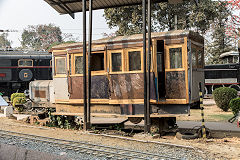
<point>117,75</point>
<point>18,68</point>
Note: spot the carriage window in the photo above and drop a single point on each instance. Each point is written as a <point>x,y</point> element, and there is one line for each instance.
<point>134,60</point>
<point>60,66</point>
<point>116,62</point>
<point>97,61</point>
<point>194,58</point>
<point>200,62</point>
<point>78,65</point>
<point>175,57</point>
<point>25,63</point>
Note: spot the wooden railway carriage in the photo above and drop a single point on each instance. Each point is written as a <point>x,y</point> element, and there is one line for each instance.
<point>117,74</point>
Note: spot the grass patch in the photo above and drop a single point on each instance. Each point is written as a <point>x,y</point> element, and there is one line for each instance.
<point>221,117</point>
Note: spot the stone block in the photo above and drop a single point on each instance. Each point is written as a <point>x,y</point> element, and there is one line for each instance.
<point>8,111</point>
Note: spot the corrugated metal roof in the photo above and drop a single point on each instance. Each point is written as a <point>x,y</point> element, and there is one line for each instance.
<point>126,39</point>
<point>73,6</point>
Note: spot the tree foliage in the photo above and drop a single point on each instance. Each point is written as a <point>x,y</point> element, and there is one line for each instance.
<point>40,37</point>
<point>221,41</point>
<point>216,17</point>
<point>4,42</point>
<point>129,19</point>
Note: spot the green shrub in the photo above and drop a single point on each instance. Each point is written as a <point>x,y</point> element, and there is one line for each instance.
<point>235,105</point>
<point>19,100</point>
<point>14,95</point>
<point>223,96</point>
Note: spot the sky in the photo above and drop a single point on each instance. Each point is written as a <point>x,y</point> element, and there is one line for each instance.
<point>18,14</point>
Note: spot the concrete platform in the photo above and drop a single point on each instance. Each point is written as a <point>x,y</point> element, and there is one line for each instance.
<point>19,116</point>
<point>217,129</point>
<point>214,126</point>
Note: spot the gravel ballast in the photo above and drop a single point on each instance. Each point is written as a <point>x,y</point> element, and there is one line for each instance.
<point>170,151</point>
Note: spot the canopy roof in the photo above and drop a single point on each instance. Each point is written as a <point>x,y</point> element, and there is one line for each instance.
<point>72,6</point>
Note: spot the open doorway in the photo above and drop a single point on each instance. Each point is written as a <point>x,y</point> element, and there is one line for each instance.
<point>161,69</point>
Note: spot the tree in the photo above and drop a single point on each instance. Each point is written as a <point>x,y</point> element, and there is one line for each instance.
<point>129,19</point>
<point>221,41</point>
<point>40,37</point>
<point>4,42</point>
<point>214,17</point>
<point>234,20</point>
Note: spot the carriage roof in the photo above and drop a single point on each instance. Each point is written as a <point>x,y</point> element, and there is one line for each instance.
<point>25,55</point>
<point>128,39</point>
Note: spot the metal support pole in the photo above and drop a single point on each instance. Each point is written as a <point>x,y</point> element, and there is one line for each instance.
<point>89,65</point>
<point>149,65</point>
<point>84,66</point>
<point>144,64</point>
<point>238,76</point>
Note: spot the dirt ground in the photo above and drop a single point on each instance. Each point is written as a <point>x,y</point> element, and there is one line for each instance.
<point>211,113</point>
<point>228,148</point>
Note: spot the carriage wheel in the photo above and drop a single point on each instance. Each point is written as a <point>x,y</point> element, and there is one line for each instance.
<point>135,120</point>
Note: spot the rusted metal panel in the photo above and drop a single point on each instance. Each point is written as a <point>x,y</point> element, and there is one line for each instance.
<point>104,109</point>
<point>130,86</point>
<point>175,85</point>
<point>122,86</point>
<point>76,87</point>
<point>197,76</point>
<point>174,41</point>
<point>40,94</point>
<point>99,89</point>
<point>124,45</point>
<point>80,50</point>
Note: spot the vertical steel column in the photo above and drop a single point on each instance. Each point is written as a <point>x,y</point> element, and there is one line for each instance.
<point>144,63</point>
<point>149,65</point>
<point>84,66</point>
<point>89,64</point>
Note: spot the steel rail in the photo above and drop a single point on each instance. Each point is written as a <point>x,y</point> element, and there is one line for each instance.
<point>77,145</point>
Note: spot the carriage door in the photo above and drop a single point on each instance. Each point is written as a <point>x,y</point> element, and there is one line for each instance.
<point>161,69</point>
<point>175,72</point>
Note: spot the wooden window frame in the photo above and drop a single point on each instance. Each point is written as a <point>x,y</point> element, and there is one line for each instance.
<point>101,72</point>
<point>55,67</point>
<point>127,59</point>
<point>198,49</point>
<point>74,65</point>
<point>122,59</point>
<point>167,58</point>
<point>68,64</point>
<point>25,60</point>
<point>196,56</point>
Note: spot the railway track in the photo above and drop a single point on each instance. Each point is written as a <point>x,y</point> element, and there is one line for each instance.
<point>87,148</point>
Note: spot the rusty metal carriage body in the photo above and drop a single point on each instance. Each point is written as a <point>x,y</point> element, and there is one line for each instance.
<point>117,85</point>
